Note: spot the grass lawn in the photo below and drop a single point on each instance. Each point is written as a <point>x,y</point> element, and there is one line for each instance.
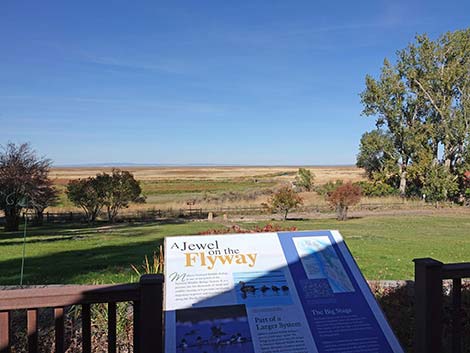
<point>383,247</point>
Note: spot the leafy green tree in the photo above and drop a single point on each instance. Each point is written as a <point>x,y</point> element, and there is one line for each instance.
<point>438,73</point>
<point>423,103</point>
<point>284,200</point>
<point>119,189</point>
<point>398,111</point>
<point>377,155</point>
<point>376,189</point>
<point>439,184</point>
<point>304,179</point>
<point>23,175</point>
<point>89,195</point>
<point>343,197</point>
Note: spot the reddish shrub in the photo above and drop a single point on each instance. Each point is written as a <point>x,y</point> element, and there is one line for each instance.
<point>342,197</point>
<point>256,229</point>
<point>466,176</point>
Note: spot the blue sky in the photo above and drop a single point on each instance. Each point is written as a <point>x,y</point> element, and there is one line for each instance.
<point>232,82</point>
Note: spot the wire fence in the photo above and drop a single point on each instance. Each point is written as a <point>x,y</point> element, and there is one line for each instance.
<point>155,214</point>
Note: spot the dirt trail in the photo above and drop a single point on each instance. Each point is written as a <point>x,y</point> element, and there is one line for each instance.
<point>351,214</point>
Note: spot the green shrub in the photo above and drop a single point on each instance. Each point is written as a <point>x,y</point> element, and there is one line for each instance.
<point>304,179</point>
<point>284,200</point>
<point>329,187</point>
<point>376,189</point>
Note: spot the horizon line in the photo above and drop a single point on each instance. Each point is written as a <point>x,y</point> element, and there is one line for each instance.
<point>194,165</point>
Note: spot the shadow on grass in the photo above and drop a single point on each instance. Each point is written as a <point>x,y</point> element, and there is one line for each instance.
<point>68,231</point>
<point>54,234</point>
<point>49,239</point>
<point>46,230</point>
<point>353,217</point>
<point>66,266</point>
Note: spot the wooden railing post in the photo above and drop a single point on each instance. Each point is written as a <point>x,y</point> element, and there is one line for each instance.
<point>457,315</point>
<point>5,332</point>
<point>428,306</point>
<point>151,314</point>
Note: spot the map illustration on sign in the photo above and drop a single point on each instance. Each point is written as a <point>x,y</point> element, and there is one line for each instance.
<point>321,261</point>
<point>287,292</point>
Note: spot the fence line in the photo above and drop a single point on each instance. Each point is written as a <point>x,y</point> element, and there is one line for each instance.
<point>152,214</point>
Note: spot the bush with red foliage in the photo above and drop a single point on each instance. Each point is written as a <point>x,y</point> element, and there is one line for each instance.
<point>343,197</point>
<point>467,176</point>
<point>256,229</point>
<point>466,182</point>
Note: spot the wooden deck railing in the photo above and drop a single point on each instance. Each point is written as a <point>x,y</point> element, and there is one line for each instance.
<point>429,276</point>
<point>146,297</point>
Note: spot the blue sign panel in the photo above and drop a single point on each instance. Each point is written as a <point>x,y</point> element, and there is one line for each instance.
<point>293,292</point>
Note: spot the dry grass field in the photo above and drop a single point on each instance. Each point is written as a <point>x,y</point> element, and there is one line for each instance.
<point>215,188</point>
<point>322,174</point>
<point>211,187</point>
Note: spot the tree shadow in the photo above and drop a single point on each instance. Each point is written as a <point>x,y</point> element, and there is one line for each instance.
<point>66,266</point>
<point>76,230</point>
<point>47,230</point>
<point>47,239</point>
<point>354,217</point>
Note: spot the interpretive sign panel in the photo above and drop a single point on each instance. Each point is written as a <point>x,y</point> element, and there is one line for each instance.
<point>293,292</point>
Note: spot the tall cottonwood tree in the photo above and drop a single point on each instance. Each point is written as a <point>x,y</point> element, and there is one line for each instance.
<point>398,112</point>
<point>423,103</point>
<point>438,72</point>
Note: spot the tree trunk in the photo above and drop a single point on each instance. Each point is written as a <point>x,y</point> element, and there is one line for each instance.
<point>449,155</point>
<point>92,216</point>
<point>39,218</point>
<point>12,219</point>
<point>447,164</point>
<point>402,181</point>
<point>341,212</point>
<point>110,214</point>
<point>285,215</point>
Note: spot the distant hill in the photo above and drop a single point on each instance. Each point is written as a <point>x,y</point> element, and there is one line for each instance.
<point>155,165</point>
<point>112,164</point>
